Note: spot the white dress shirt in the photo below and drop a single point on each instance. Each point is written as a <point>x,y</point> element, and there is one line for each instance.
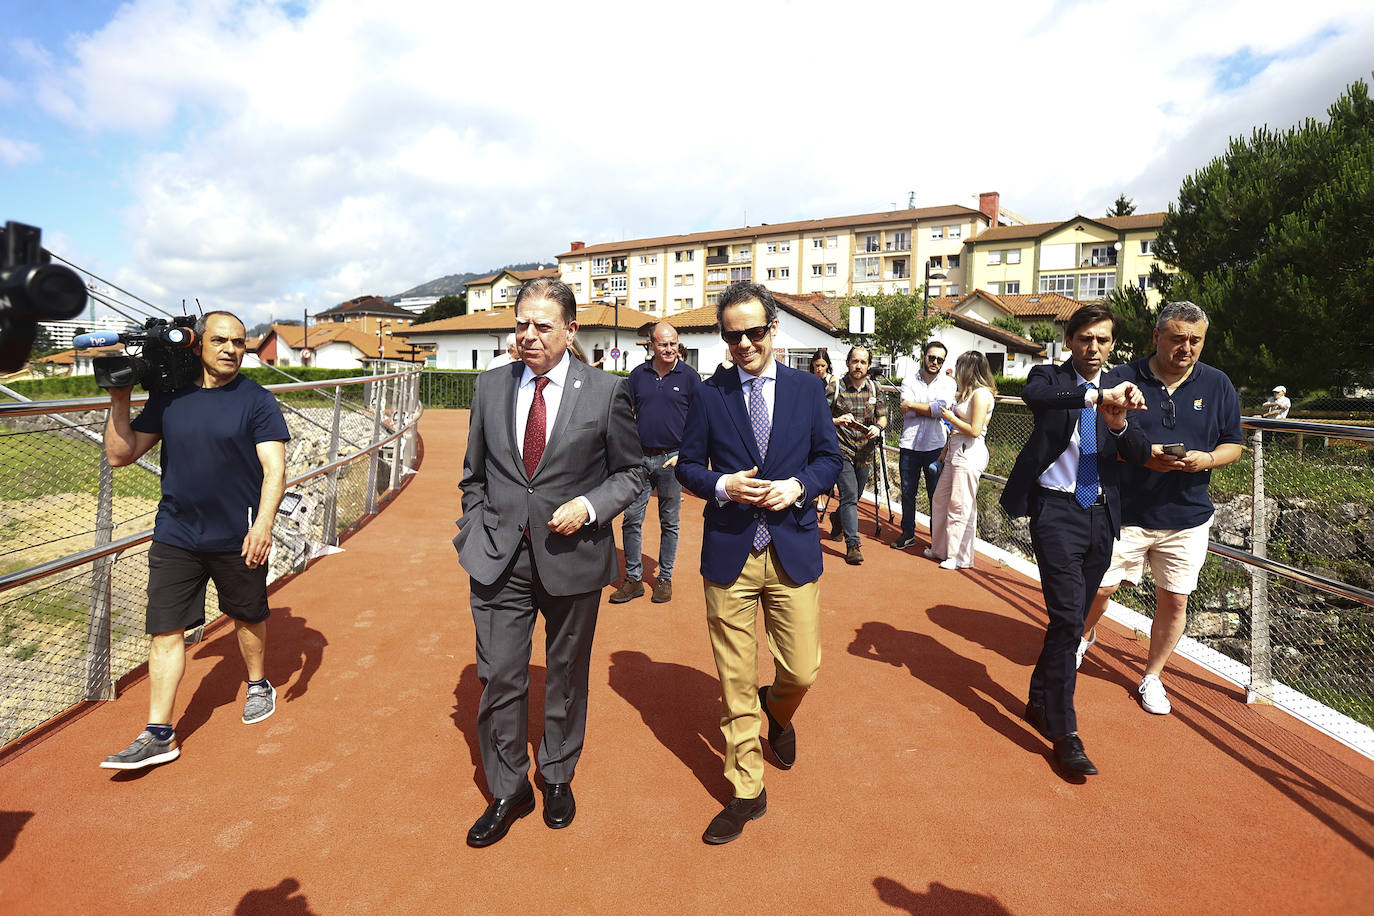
<point>1063,474</point>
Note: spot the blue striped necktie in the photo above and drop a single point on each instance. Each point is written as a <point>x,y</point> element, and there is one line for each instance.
<point>1086,489</point>
<point>758,419</point>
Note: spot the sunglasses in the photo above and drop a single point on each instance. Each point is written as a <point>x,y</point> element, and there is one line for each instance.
<point>755,335</point>
<point>938,360</point>
<point>1168,418</point>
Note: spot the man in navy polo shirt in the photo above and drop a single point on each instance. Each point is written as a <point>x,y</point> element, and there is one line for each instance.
<point>660,390</point>
<point>223,474</point>
<point>1166,511</point>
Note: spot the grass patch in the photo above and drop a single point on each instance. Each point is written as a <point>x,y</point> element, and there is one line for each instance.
<point>34,464</point>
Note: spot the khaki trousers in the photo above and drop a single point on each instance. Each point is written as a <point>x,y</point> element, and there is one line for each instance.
<point>791,619</point>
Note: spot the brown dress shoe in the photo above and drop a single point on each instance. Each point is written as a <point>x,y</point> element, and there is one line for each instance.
<point>729,824</point>
<point>663,591</point>
<point>854,556</point>
<point>630,588</point>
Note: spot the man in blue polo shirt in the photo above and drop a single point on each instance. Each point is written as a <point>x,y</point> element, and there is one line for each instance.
<point>1193,423</point>
<point>223,474</point>
<point>660,390</point>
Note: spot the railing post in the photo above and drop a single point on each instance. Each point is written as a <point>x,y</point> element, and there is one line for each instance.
<point>330,520</point>
<point>1261,671</point>
<point>374,463</point>
<point>99,684</point>
<point>398,418</point>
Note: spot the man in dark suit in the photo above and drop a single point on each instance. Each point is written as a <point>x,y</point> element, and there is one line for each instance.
<point>1065,479</point>
<point>758,446</point>
<point>553,456</point>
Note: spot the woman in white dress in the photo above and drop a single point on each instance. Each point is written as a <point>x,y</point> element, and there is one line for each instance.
<point>954,514</point>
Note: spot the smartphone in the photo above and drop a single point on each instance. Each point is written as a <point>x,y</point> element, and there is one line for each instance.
<point>1176,449</point>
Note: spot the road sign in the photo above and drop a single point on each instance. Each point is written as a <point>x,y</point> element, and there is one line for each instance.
<point>862,319</point>
<point>615,353</point>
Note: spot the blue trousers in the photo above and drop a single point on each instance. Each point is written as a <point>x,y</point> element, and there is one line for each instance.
<point>912,465</point>
<point>669,503</point>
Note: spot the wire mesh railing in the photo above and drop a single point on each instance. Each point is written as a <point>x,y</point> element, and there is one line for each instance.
<point>1287,590</point>
<point>74,533</point>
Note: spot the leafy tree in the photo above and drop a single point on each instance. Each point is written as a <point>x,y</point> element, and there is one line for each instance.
<point>43,344</point>
<point>902,322</point>
<point>1009,323</point>
<point>1135,323</point>
<point>1042,331</point>
<point>1122,206</point>
<point>446,307</point>
<point>1275,240</point>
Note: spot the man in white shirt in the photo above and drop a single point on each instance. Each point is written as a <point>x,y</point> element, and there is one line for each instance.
<point>1278,405</point>
<point>505,359</point>
<point>924,393</point>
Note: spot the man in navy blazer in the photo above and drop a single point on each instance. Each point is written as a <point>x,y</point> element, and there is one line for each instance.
<point>1066,480</point>
<point>759,446</point>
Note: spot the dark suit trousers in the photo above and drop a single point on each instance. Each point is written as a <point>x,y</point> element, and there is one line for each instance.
<point>504,615</point>
<point>1073,547</point>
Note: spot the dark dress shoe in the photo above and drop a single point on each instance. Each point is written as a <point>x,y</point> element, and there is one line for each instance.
<point>559,805</point>
<point>1035,715</point>
<point>1068,752</point>
<point>729,824</point>
<point>500,814</point>
<point>783,741</point>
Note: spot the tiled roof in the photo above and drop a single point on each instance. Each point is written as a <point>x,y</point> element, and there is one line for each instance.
<point>766,230</point>
<point>366,305</point>
<point>519,275</point>
<point>813,308</point>
<point>1036,230</point>
<point>295,337</point>
<point>503,319</point>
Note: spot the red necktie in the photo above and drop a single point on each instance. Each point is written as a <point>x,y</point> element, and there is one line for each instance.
<point>534,428</point>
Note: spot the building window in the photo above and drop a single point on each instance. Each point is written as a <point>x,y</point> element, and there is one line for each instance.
<point>574,266</point>
<point>1011,288</point>
<point>741,273</point>
<point>901,241</point>
<point>1144,282</point>
<point>832,270</point>
<point>1147,246</point>
<point>784,273</point>
<point>618,285</point>
<point>832,241</point>
<point>937,232</point>
<point>771,247</point>
<point>867,268</point>
<point>871,242</point>
<point>772,273</point>
<point>936,262</point>
<point>1095,286</point>
<point>817,269</point>
<point>1057,283</point>
<point>954,232</point>
<point>1101,255</point>
<point>818,242</point>
<point>994,258</point>
<point>648,259</point>
<point>712,298</point>
<point>577,287</point>
<point>688,255</point>
<point>618,264</point>
<point>995,288</point>
<point>677,279</point>
<point>952,290</point>
<point>743,251</point>
<point>785,245</point>
<point>648,282</point>
<point>716,276</point>
<point>1013,256</point>
<point>952,261</point>
<point>648,305</point>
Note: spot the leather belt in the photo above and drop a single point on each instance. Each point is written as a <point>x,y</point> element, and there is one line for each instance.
<point>659,451</point>
<point>1060,494</point>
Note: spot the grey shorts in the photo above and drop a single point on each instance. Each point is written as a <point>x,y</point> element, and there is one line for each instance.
<point>176,587</point>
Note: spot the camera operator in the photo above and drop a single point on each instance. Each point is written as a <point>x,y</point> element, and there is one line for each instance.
<point>223,473</point>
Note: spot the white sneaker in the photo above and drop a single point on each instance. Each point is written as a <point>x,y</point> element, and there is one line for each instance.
<point>1152,695</point>
<point>1083,646</point>
<point>949,564</point>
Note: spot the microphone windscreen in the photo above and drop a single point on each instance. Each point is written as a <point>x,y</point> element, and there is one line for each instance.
<point>95,339</point>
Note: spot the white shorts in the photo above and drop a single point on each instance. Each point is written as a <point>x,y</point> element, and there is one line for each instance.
<point>1176,556</point>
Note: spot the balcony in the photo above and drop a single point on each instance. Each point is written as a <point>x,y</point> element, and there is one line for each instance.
<point>717,259</point>
<point>898,245</point>
<point>741,259</point>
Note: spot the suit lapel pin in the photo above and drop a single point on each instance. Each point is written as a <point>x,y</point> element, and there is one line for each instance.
<point>577,383</point>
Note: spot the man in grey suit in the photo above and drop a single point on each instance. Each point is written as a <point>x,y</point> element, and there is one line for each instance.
<point>553,456</point>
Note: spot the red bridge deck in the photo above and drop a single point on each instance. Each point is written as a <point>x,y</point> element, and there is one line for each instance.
<point>918,787</point>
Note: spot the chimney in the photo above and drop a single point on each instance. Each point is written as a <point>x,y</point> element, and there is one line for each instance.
<point>990,202</point>
<point>578,246</point>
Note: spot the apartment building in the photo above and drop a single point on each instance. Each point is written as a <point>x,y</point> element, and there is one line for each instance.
<point>873,252</point>
<point>1082,258</point>
<point>500,289</point>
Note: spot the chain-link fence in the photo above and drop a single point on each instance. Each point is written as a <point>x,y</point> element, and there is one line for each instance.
<point>74,544</point>
<point>1287,591</point>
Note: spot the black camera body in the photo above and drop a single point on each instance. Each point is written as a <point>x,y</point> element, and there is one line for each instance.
<point>32,289</point>
<point>165,360</point>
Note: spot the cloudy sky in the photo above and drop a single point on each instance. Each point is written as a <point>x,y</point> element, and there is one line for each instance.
<point>273,156</point>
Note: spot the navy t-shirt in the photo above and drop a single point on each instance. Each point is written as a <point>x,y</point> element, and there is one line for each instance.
<point>661,403</point>
<point>211,474</point>
<point>1206,414</point>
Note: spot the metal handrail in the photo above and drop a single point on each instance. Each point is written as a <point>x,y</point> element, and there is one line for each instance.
<point>69,405</point>
<point>82,557</point>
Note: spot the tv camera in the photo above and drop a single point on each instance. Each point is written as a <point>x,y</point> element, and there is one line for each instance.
<point>32,289</point>
<point>164,361</point>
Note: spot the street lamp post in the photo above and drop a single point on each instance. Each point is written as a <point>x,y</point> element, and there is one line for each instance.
<point>925,308</point>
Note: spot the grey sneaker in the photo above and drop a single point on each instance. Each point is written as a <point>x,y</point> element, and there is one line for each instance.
<point>146,751</point>
<point>261,703</point>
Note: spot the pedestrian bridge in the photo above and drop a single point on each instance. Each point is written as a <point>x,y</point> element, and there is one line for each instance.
<point>918,787</point>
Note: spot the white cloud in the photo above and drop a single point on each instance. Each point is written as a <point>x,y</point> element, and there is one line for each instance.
<point>18,152</point>
<point>298,156</point>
